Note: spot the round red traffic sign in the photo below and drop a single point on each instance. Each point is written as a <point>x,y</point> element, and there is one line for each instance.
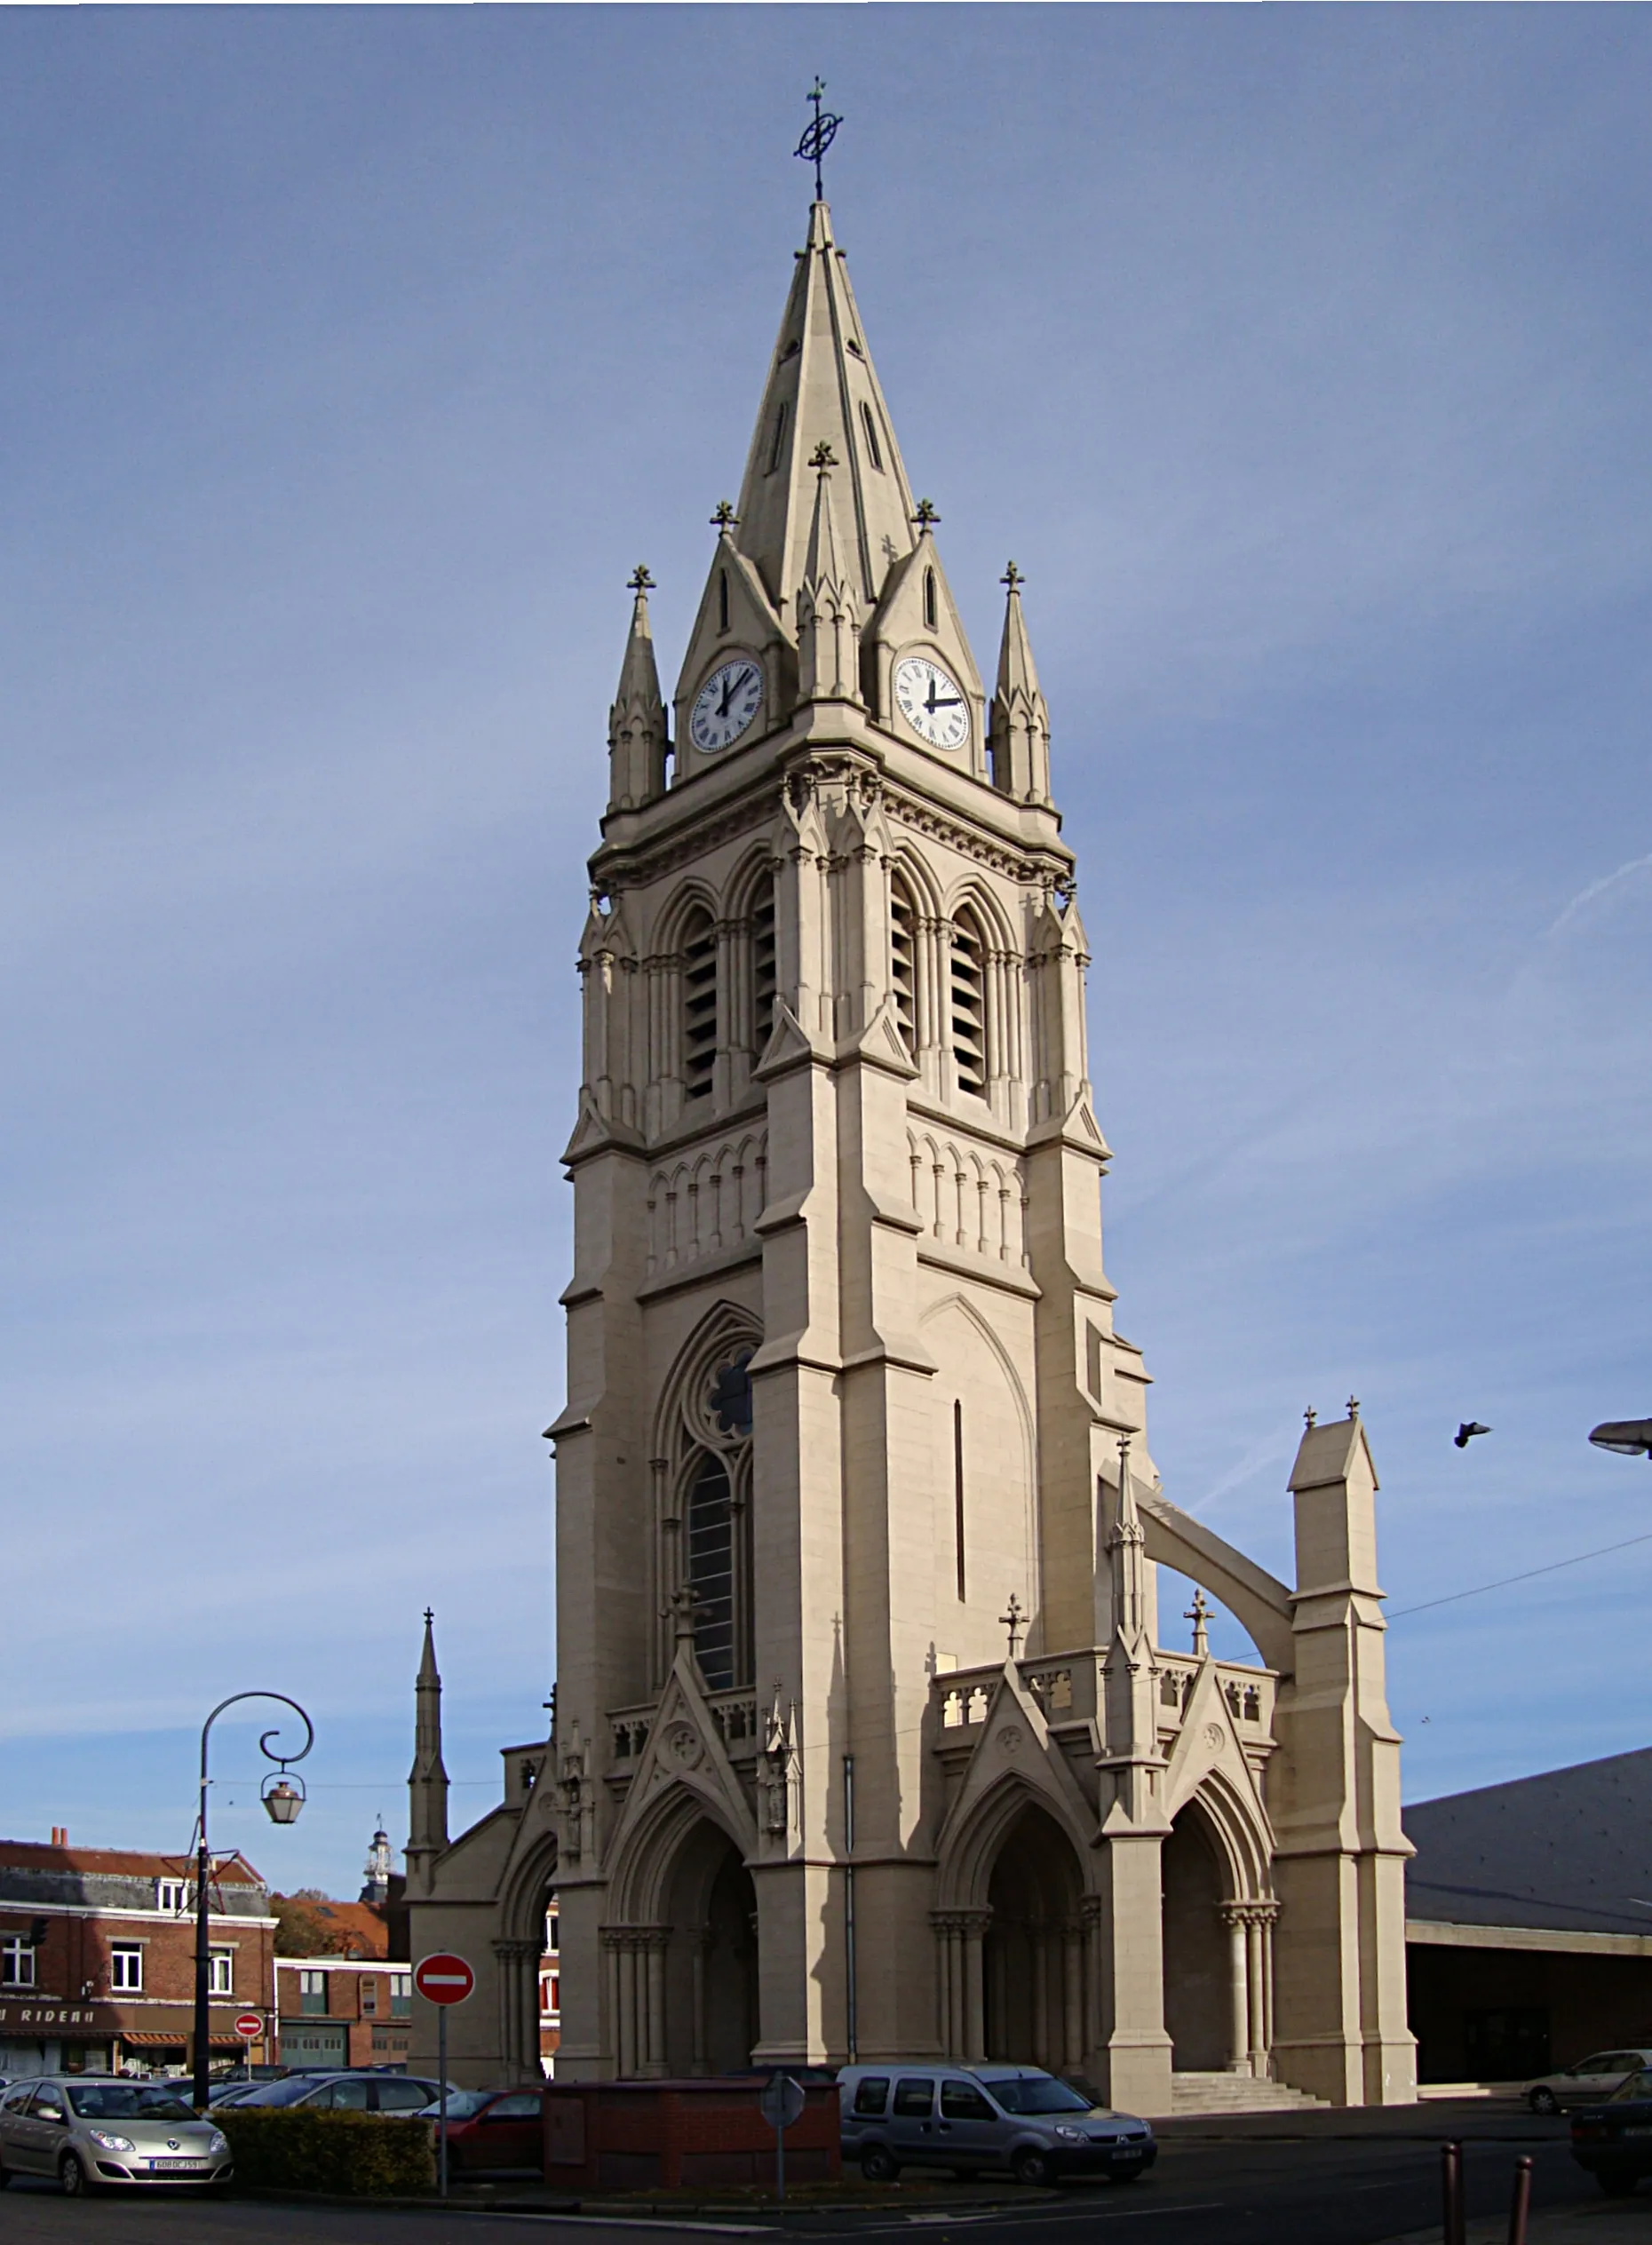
<point>443,1979</point>
<point>249,2026</point>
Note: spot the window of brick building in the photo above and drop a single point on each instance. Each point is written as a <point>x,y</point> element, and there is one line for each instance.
<point>221,1979</point>
<point>370,1995</point>
<point>312,1995</point>
<point>171,1895</point>
<point>17,1961</point>
<point>401,1995</point>
<point>126,1970</point>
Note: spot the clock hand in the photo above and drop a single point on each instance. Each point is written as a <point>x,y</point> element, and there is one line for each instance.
<point>945,702</point>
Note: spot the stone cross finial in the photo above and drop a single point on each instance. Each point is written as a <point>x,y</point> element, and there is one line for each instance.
<point>1013,577</point>
<point>823,457</point>
<point>926,516</point>
<point>430,1614</point>
<point>640,581</point>
<point>1198,1613</point>
<point>1310,1418</point>
<point>725,518</point>
<point>680,1606</point>
<point>1015,1621</point>
<point>1353,1406</point>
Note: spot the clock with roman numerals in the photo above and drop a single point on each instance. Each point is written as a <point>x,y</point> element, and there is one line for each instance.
<point>930,703</point>
<point>725,705</point>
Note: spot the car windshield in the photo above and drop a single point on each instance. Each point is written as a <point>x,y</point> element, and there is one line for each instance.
<point>286,2092</point>
<point>462,2103</point>
<point>1037,2093</point>
<point>1635,2089</point>
<point>127,2101</point>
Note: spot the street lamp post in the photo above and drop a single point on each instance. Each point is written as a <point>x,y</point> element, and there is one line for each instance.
<point>283,1798</point>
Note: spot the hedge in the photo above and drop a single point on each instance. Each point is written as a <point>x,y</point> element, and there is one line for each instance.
<point>353,2154</point>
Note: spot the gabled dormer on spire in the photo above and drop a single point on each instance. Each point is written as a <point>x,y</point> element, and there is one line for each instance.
<point>918,624</point>
<point>828,608</point>
<point>1019,742</point>
<point>821,389</point>
<point>637,737</point>
<point>737,625</point>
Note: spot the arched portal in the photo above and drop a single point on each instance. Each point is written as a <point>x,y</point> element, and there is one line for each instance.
<point>1033,1952</point>
<point>1198,2002</point>
<point>711,1958</point>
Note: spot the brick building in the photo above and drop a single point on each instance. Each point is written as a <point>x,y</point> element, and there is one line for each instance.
<point>347,2004</point>
<point>97,1956</point>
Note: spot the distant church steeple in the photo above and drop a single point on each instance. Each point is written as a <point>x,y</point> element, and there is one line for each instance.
<point>427,1781</point>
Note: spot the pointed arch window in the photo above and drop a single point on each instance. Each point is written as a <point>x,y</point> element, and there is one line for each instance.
<point>969,1004</point>
<point>873,451</point>
<point>722,600</point>
<point>763,966</point>
<point>932,605</point>
<point>699,1002</point>
<point>903,962</point>
<point>706,1518</point>
<point>779,437</point>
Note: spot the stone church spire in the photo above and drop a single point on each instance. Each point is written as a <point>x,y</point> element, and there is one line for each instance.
<point>637,734</point>
<point>829,613</point>
<point>1019,738</point>
<point>427,1781</point>
<point>822,388</point>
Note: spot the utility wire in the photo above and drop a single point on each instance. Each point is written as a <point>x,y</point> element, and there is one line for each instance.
<point>1553,1567</point>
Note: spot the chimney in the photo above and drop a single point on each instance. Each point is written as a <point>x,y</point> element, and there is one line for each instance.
<point>59,1836</point>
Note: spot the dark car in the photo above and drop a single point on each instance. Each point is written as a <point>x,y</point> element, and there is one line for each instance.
<point>489,2129</point>
<point>1613,2141</point>
<point>347,2092</point>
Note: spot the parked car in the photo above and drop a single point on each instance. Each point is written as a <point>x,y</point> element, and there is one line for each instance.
<point>1613,2141</point>
<point>969,2118</point>
<point>93,2129</point>
<point>222,2093</point>
<point>343,2092</point>
<point>491,2128</point>
<point>1592,2079</point>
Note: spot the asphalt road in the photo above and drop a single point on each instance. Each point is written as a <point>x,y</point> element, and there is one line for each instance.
<point>1358,2186</point>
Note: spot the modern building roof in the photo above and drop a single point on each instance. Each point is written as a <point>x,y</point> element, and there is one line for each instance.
<point>119,1862</point>
<point>1569,1851</point>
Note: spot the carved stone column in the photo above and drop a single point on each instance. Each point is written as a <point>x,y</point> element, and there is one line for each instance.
<point>973,1927</point>
<point>518,1975</point>
<point>1073,1993</point>
<point>1234,1917</point>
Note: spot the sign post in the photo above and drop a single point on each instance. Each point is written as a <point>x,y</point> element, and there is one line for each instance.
<point>442,1979</point>
<point>779,2104</point>
<point>249,2026</point>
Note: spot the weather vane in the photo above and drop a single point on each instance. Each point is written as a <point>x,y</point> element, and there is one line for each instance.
<point>818,135</point>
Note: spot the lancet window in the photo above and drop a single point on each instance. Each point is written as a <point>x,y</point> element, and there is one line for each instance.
<point>969,1003</point>
<point>699,1004</point>
<point>706,1561</point>
<point>903,962</point>
<point>762,972</point>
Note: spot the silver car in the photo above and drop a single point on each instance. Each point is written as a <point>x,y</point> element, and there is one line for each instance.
<point>93,2129</point>
<point>970,2118</point>
<point>1589,2082</point>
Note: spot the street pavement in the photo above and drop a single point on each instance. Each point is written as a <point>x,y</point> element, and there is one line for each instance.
<point>1351,2178</point>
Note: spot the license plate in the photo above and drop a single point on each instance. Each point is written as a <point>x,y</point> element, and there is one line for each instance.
<point>1639,2130</point>
<point>175,2166</point>
<point>1131,2151</point>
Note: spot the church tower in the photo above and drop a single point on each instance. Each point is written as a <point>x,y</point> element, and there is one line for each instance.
<point>866,1745</point>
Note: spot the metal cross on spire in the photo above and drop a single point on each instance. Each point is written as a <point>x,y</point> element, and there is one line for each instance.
<point>640,581</point>
<point>1013,577</point>
<point>818,135</point>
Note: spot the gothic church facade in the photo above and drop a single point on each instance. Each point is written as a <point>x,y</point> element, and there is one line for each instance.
<point>867,1742</point>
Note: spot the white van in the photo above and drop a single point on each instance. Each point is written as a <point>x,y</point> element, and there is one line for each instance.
<point>970,2118</point>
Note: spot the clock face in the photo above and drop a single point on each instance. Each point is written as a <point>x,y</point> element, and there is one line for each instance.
<point>931,705</point>
<point>725,705</point>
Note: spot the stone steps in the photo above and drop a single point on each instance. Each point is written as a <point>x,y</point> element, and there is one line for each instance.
<point>1238,2093</point>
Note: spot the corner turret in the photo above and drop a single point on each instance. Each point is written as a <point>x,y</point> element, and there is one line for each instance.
<point>427,1781</point>
<point>1018,740</point>
<point>637,743</point>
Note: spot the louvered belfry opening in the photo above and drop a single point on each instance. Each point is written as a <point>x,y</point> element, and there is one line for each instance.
<point>699,1005</point>
<point>902,963</point>
<point>763,966</point>
<point>969,1024</point>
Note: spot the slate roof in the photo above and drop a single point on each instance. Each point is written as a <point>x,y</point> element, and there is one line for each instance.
<point>1569,1851</point>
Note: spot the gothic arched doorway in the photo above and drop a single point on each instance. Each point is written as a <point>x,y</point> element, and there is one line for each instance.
<point>1034,1952</point>
<point>1198,2001</point>
<point>710,1964</point>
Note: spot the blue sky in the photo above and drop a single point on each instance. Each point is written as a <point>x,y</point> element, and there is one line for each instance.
<point>352,358</point>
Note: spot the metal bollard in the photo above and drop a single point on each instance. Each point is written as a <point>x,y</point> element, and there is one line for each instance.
<point>1520,2205</point>
<point>1452,2218</point>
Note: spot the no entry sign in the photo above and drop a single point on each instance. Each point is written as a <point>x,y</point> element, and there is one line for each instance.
<point>443,1979</point>
<point>249,2026</point>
